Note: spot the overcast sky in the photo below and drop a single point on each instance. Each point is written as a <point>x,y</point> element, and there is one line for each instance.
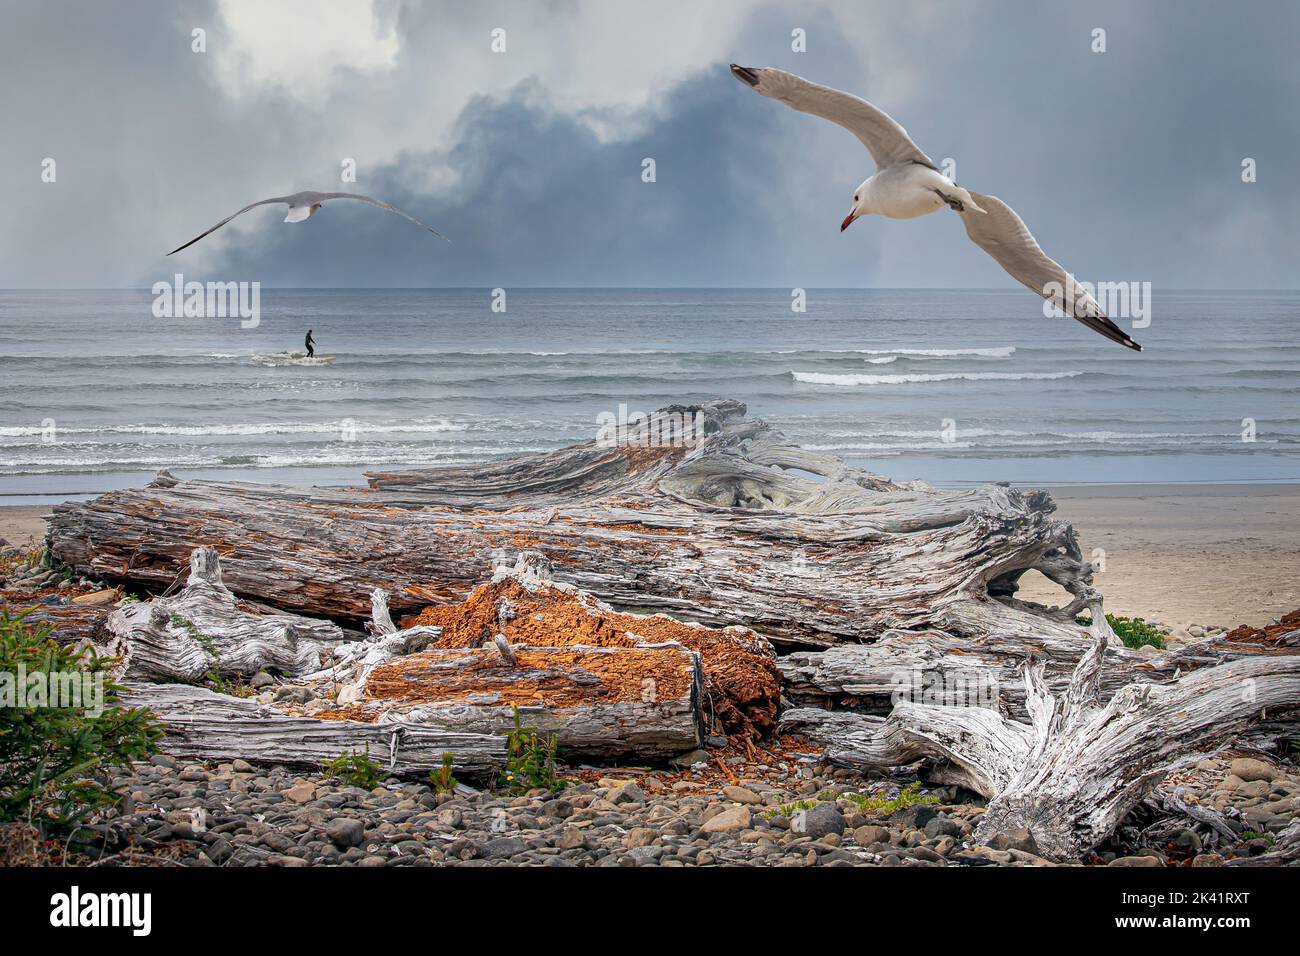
<point>1126,164</point>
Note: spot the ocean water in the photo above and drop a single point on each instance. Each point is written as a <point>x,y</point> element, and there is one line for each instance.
<point>951,386</point>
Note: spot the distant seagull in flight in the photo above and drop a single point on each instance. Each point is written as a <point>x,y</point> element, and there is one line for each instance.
<point>907,184</point>
<point>304,206</point>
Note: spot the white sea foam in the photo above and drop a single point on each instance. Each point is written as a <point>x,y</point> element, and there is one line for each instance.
<point>215,429</point>
<point>999,351</point>
<point>824,378</point>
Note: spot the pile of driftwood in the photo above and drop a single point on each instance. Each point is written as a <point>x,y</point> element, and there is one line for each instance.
<point>607,685</point>
<point>635,592</point>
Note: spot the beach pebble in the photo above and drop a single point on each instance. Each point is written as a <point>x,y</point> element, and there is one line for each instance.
<point>1136,861</point>
<point>345,832</point>
<point>300,793</point>
<point>728,821</point>
<point>867,835</point>
<point>1250,769</point>
<point>818,821</point>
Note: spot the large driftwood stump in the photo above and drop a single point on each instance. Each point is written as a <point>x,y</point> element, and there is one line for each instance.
<point>203,631</point>
<point>737,527</point>
<point>1071,773</point>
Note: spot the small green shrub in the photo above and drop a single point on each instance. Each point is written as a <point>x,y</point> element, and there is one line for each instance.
<point>530,762</point>
<point>52,758</point>
<point>908,796</point>
<point>1133,631</point>
<point>788,808</point>
<point>222,685</point>
<point>441,779</point>
<point>356,770</point>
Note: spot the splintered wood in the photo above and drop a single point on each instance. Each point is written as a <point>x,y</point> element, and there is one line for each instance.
<point>740,675</point>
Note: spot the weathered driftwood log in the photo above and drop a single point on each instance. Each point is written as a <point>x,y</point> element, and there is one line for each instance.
<point>203,631</point>
<point>599,702</point>
<point>735,527</point>
<point>1071,773</point>
<point>204,725</point>
<point>68,623</point>
<point>942,667</point>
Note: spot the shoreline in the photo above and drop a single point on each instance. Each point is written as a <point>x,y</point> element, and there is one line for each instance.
<point>1179,554</point>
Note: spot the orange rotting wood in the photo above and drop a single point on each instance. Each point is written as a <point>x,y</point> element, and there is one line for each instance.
<point>542,677</point>
<point>743,685</point>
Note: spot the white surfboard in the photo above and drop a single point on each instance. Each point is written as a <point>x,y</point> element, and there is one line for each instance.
<point>272,359</point>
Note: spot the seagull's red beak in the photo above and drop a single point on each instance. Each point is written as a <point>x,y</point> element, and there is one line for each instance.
<point>848,221</point>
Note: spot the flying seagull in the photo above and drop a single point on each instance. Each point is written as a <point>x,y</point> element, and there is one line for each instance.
<point>907,184</point>
<point>304,206</point>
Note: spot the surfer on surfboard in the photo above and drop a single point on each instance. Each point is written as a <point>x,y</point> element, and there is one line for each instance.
<point>311,345</point>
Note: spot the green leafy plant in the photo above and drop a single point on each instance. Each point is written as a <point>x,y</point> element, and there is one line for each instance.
<point>530,761</point>
<point>908,796</point>
<point>788,808</point>
<point>1133,631</point>
<point>356,769</point>
<point>53,758</point>
<point>1256,835</point>
<point>441,779</point>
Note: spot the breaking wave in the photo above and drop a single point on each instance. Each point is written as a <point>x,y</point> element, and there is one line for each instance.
<point>826,378</point>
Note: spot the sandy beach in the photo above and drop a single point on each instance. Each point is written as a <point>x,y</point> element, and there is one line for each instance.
<point>23,524</point>
<point>1177,554</point>
<point>1187,554</point>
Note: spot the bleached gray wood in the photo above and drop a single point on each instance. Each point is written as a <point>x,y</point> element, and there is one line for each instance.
<point>871,677</point>
<point>203,631</point>
<point>1080,763</point>
<point>204,725</point>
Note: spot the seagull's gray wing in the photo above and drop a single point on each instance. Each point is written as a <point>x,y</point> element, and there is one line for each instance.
<point>382,205</point>
<point>1004,236</point>
<point>887,141</point>
<point>260,202</point>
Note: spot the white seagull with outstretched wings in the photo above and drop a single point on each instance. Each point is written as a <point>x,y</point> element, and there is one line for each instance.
<point>303,206</point>
<point>907,184</point>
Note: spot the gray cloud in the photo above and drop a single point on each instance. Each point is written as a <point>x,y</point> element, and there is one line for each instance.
<point>1126,164</point>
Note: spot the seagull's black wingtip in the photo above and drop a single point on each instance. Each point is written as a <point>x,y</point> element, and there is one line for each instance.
<point>745,74</point>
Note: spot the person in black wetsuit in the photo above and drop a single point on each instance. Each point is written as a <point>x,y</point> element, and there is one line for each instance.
<point>311,344</point>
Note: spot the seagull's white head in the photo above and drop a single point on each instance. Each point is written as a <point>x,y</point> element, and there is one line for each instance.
<point>860,205</point>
